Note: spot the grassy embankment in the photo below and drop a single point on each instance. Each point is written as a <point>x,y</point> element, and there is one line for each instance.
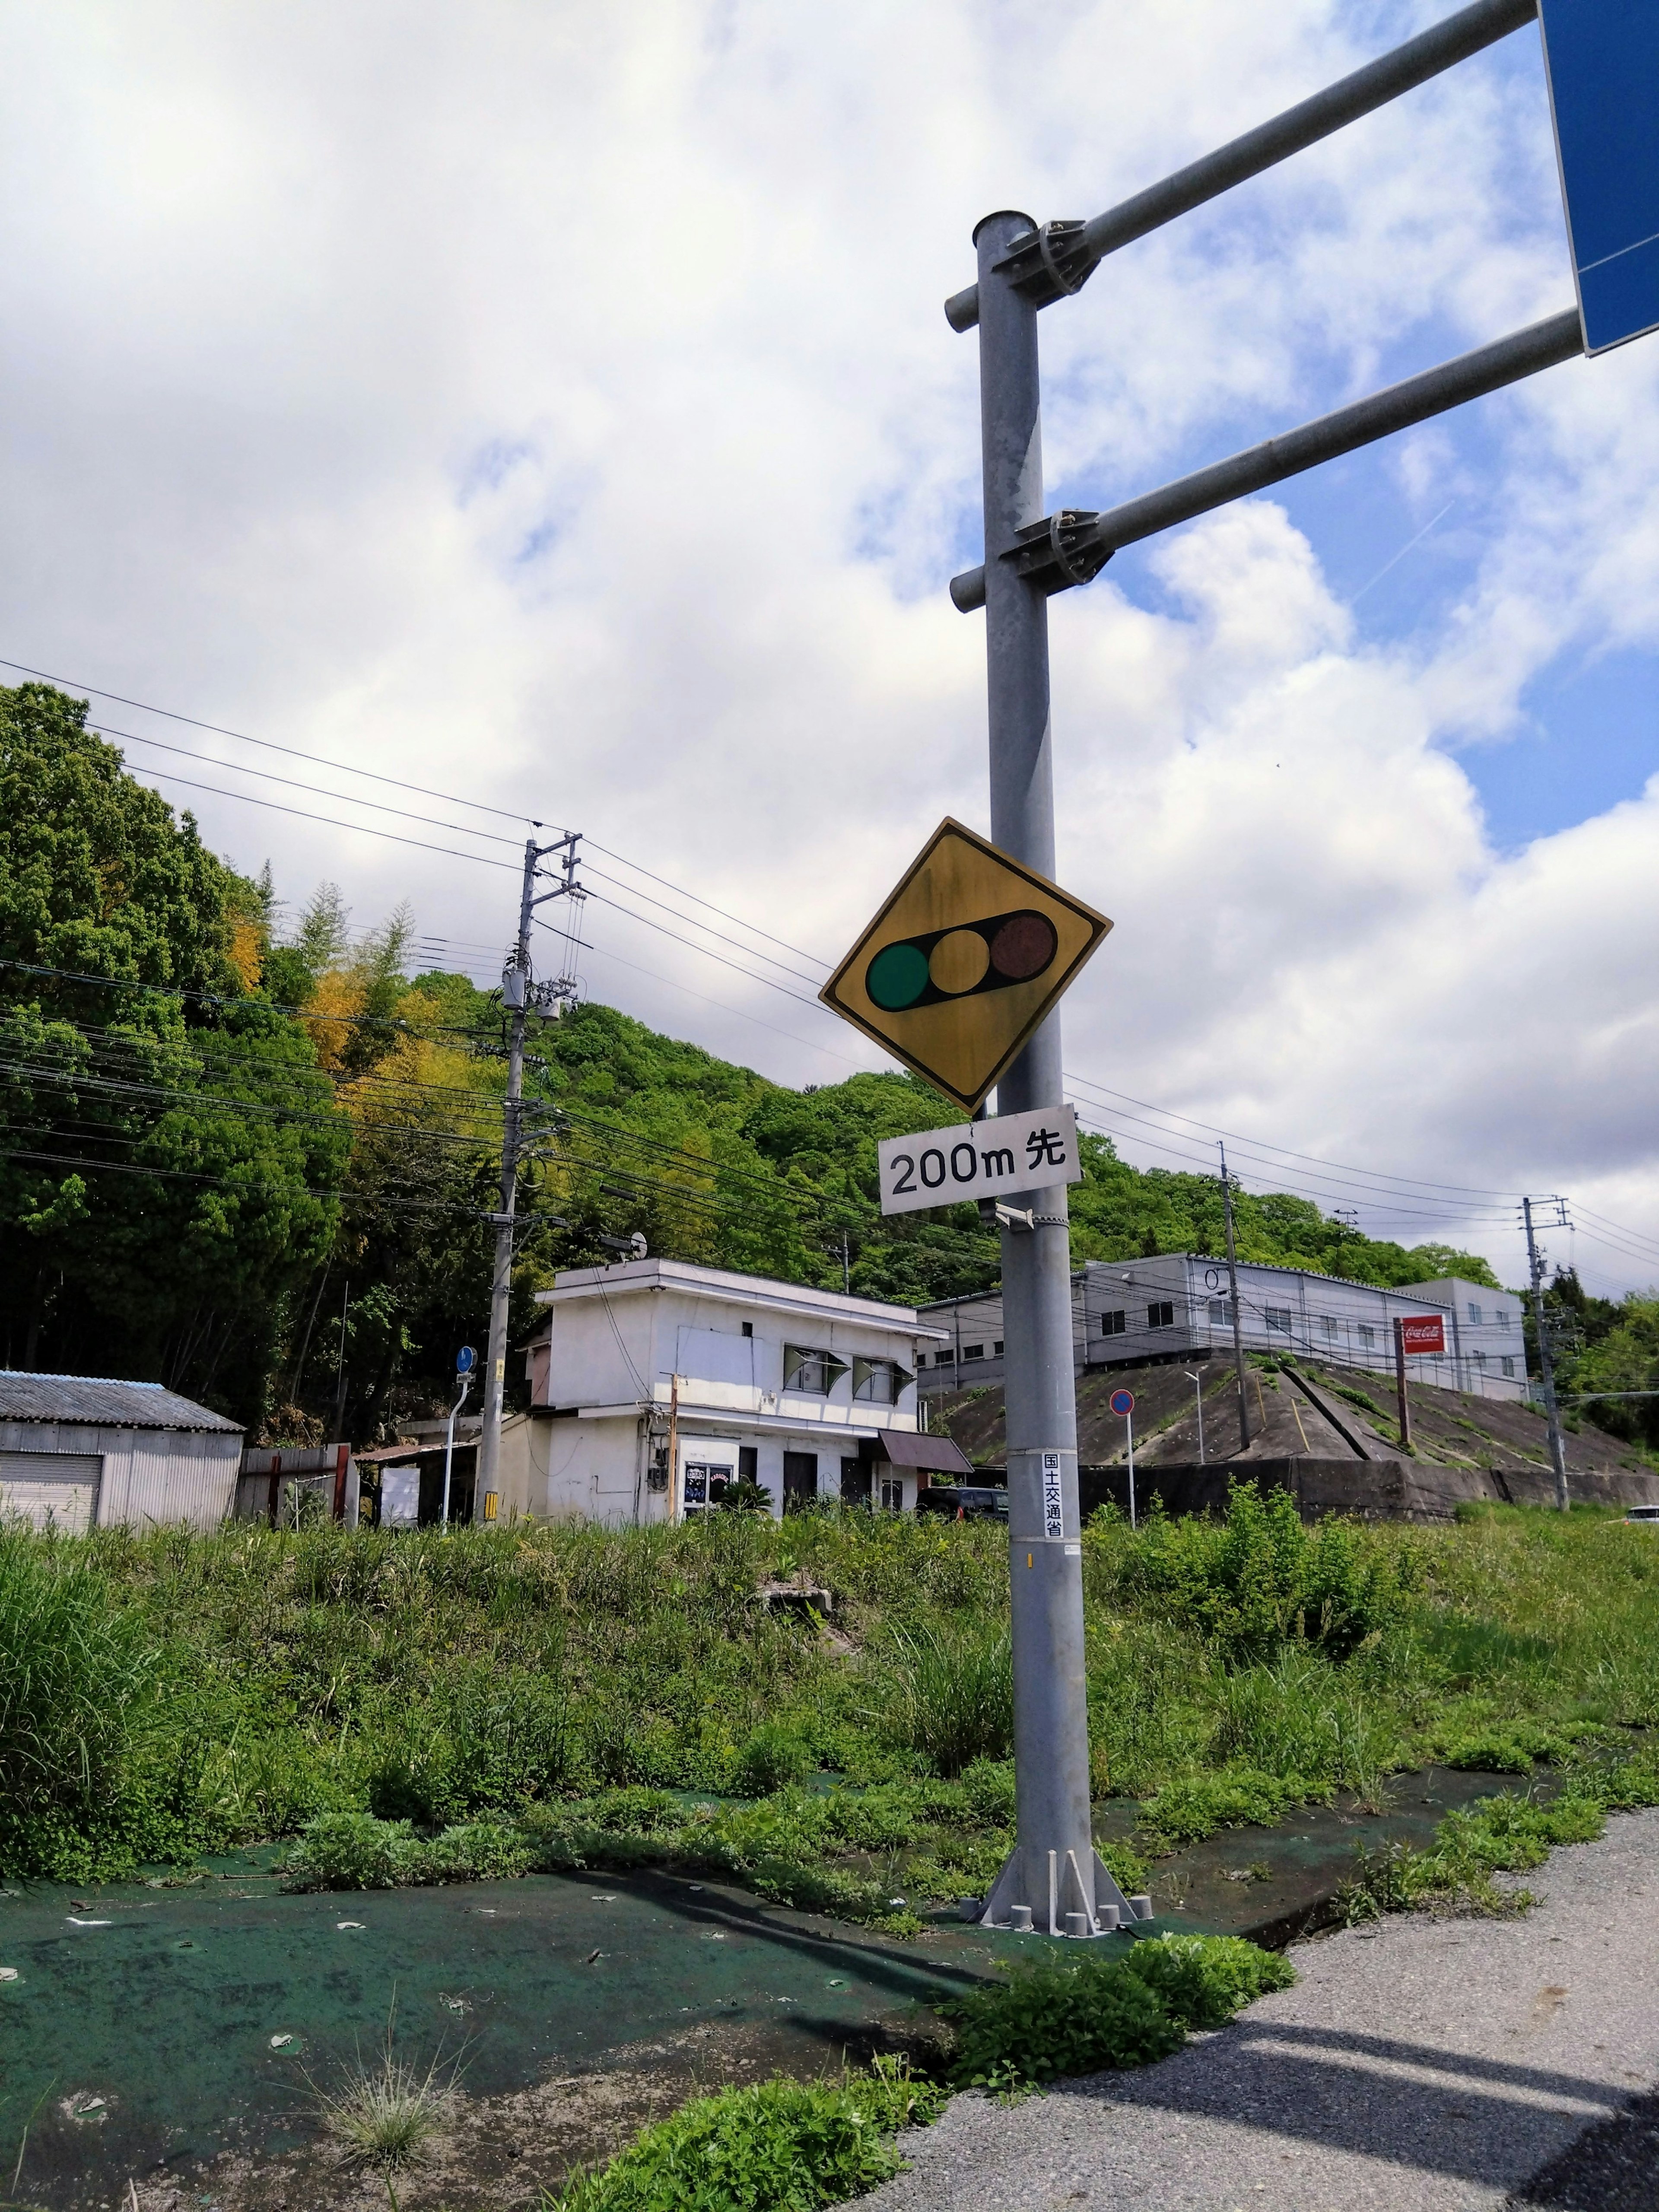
<point>423,1709</point>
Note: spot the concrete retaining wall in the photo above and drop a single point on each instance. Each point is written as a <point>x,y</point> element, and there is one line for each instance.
<point>1374,1489</point>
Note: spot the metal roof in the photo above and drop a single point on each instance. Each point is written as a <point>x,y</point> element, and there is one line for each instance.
<point>101,1401</point>
<point>932,1454</point>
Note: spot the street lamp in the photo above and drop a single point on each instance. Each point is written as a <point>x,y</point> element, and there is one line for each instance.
<point>1197,1381</point>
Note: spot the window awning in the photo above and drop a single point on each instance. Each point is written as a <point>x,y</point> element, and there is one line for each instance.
<point>932,1454</point>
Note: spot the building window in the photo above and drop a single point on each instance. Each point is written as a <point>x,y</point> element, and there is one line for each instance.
<point>878,1381</point>
<point>1474,1316</point>
<point>1500,1316</point>
<point>1367,1335</point>
<point>1509,1368</point>
<point>1161,1314</point>
<point>973,1352</point>
<point>1221,1313</point>
<point>1327,1323</point>
<point>748,1328</point>
<point>1279,1320</point>
<point>945,1359</point>
<point>1480,1359</point>
<point>814,1374</point>
<point>748,1463</point>
<point>997,1351</point>
<point>1113,1324</point>
<point>892,1493</point>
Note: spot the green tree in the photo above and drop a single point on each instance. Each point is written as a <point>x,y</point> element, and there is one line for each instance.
<point>167,1147</point>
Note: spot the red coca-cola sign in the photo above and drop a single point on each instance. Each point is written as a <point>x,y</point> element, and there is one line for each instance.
<point>1423,1333</point>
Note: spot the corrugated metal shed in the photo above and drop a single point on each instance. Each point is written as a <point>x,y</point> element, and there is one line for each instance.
<point>103,1402</point>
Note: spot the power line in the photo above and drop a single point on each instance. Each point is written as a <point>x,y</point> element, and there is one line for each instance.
<point>754,928</point>
<point>362,829</point>
<point>287,782</point>
<point>1411,1186</point>
<point>692,923</point>
<point>267,744</point>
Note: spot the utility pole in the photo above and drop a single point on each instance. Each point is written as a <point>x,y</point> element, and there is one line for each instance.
<point>1545,1358</point>
<point>1232,1293</point>
<point>518,994</point>
<point>1401,1399</point>
<point>1053,1880</point>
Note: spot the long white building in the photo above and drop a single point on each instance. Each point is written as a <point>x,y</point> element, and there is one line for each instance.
<point>655,1384</point>
<point>1135,1313</point>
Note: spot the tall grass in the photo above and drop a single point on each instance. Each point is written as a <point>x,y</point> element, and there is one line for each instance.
<point>953,1694</point>
<point>77,1694</point>
<point>164,1692</point>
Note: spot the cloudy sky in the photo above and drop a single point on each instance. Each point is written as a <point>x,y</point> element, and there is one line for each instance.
<point>550,407</point>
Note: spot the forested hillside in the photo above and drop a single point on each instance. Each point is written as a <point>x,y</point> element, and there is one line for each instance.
<point>254,1161</point>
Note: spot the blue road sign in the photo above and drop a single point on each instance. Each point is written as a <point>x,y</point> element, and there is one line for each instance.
<point>1602,60</point>
<point>464,1359</point>
<point>1122,1402</point>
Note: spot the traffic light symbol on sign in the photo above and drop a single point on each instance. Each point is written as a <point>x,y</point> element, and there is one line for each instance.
<point>950,964</point>
<point>963,961</point>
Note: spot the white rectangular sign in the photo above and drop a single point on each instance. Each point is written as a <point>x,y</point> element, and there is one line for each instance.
<point>1054,1510</point>
<point>979,1159</point>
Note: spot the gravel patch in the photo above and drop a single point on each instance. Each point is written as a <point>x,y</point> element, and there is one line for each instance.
<point>1425,2065</point>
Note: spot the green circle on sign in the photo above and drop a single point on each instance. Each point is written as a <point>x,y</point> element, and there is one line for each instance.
<point>897,976</point>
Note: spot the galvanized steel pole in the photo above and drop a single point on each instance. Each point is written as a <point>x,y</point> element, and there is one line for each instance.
<point>1049,1880</point>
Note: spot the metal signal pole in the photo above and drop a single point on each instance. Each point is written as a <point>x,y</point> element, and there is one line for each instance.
<point>1545,1358</point>
<point>1053,1880</point>
<point>517,994</point>
<point>1232,1293</point>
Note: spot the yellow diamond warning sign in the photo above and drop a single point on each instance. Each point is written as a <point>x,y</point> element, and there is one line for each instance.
<point>963,963</point>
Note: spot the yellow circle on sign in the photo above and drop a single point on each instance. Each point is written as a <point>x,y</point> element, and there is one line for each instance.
<point>959,961</point>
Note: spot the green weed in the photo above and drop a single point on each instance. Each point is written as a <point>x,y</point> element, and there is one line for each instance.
<point>1102,2007</point>
<point>780,2147</point>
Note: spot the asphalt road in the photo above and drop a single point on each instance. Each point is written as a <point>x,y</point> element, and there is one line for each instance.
<point>1423,2066</point>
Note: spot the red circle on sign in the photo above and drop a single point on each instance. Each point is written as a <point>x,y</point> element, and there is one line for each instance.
<point>1023,946</point>
<point>1122,1402</point>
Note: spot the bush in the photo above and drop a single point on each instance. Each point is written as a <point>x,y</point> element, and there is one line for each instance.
<point>988,1787</point>
<point>1196,1805</point>
<point>773,1757</point>
<point>1103,2007</point>
<point>1205,1980</point>
<point>1260,1579</point>
<point>352,1850</point>
<point>782,2147</point>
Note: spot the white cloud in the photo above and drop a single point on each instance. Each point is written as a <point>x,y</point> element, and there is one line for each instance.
<point>554,406</point>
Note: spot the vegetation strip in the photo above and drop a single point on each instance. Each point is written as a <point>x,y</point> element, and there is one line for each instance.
<point>571,1696</point>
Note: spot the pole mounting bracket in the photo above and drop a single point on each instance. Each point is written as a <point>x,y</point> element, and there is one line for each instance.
<point>1049,263</point>
<point>1060,551</point>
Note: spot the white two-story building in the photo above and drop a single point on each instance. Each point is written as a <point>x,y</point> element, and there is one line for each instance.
<point>656,1385</point>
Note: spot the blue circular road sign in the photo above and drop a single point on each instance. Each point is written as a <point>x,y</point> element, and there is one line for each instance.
<point>1122,1402</point>
<point>466,1359</point>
